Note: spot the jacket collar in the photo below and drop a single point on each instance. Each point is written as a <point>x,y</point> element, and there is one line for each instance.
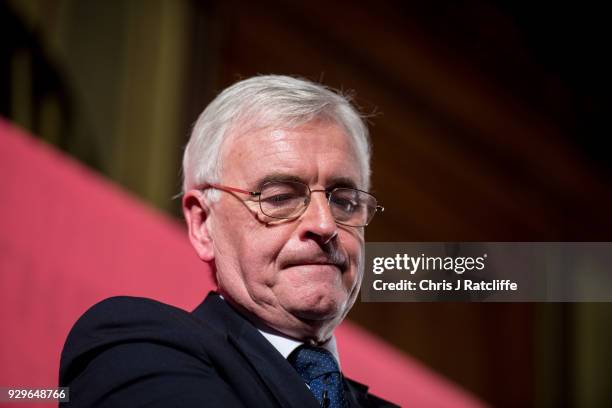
<point>273,369</point>
<point>278,375</point>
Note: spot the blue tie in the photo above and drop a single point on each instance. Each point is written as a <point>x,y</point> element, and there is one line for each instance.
<point>319,369</point>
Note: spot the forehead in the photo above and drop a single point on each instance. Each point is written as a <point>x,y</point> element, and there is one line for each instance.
<point>316,152</point>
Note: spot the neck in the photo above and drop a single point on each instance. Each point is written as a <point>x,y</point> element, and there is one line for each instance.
<point>313,332</point>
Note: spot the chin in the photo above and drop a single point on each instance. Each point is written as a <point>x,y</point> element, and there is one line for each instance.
<point>319,306</point>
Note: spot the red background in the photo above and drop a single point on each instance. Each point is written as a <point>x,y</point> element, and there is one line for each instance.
<point>70,238</point>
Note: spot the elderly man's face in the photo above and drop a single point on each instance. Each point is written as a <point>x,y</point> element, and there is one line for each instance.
<point>299,276</point>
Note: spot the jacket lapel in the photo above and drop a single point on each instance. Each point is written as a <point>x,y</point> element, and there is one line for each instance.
<point>282,379</point>
<point>283,382</point>
<point>357,394</point>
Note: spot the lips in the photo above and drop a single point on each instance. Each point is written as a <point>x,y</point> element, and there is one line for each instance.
<point>338,261</point>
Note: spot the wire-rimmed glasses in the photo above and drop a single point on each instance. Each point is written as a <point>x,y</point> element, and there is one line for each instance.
<point>290,199</point>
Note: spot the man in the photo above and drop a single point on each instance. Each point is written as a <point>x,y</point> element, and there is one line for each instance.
<point>274,196</point>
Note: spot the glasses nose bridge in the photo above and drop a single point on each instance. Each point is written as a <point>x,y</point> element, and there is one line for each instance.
<point>327,192</point>
<point>327,195</point>
<point>327,198</point>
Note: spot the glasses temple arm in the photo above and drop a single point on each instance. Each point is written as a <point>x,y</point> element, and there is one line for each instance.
<point>235,190</point>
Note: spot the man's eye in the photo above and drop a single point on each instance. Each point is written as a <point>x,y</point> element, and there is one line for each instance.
<point>345,205</point>
<point>280,199</point>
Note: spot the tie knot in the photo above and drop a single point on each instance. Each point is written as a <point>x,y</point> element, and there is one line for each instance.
<point>313,362</point>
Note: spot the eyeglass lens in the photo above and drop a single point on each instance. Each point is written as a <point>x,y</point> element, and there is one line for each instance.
<point>287,199</point>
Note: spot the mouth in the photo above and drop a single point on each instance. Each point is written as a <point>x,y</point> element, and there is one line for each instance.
<point>316,269</point>
<point>318,264</point>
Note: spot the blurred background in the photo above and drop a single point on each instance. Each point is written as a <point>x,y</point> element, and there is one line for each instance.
<point>489,119</point>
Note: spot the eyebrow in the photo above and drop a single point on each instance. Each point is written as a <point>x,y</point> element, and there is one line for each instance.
<point>332,183</point>
<point>278,176</point>
<point>335,182</point>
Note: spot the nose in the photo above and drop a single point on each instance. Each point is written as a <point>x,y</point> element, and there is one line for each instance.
<point>317,222</point>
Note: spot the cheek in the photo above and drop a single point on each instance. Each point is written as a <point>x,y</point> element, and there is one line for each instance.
<point>353,244</point>
<point>260,246</point>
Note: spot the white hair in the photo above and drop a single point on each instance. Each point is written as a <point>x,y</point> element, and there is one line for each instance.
<point>266,101</point>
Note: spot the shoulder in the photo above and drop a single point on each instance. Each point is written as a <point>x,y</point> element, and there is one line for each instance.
<point>137,349</point>
<point>118,312</point>
<point>123,319</point>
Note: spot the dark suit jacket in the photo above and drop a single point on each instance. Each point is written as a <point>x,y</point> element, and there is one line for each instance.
<point>130,352</point>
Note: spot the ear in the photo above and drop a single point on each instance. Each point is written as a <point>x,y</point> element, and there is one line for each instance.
<point>196,212</point>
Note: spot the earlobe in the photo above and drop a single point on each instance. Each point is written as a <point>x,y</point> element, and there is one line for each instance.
<point>196,212</point>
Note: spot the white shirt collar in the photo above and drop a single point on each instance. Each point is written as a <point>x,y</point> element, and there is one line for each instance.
<point>286,345</point>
